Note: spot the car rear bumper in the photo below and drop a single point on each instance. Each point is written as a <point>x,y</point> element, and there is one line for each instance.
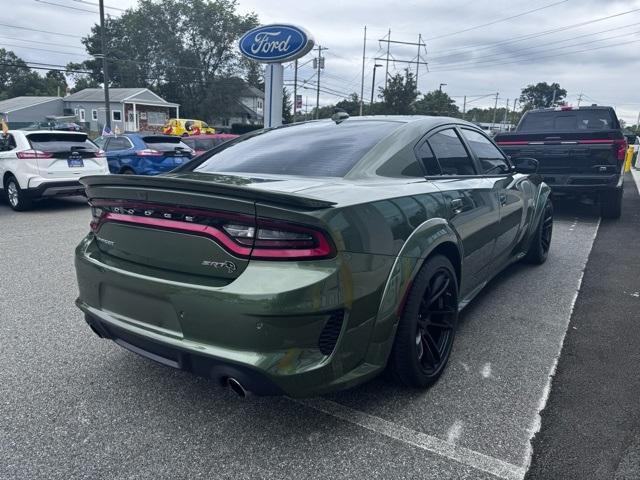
<point>57,188</point>
<point>581,184</point>
<point>279,328</point>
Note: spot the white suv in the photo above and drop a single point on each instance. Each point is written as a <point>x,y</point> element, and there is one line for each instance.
<point>46,163</point>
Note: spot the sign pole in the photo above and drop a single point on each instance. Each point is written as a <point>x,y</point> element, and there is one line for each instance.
<point>273,84</point>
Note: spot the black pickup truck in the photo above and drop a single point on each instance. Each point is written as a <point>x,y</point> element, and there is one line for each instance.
<point>580,151</point>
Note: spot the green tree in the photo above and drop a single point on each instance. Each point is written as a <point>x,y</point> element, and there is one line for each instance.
<point>542,95</point>
<point>287,106</point>
<point>194,60</point>
<point>17,79</point>
<point>436,102</point>
<point>399,96</point>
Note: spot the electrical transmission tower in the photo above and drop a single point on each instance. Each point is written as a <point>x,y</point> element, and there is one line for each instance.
<point>418,59</point>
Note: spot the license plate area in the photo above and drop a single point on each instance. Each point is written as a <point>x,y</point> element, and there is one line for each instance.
<point>75,162</point>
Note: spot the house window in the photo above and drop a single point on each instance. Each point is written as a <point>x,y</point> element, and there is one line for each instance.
<point>259,103</point>
<point>94,115</point>
<point>82,117</point>
<point>155,118</point>
<point>116,115</point>
<point>75,112</point>
<point>225,122</point>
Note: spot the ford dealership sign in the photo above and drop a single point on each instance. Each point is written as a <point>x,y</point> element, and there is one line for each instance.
<point>276,43</point>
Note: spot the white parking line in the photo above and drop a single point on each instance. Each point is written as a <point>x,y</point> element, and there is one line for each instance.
<point>435,445</point>
<point>636,176</point>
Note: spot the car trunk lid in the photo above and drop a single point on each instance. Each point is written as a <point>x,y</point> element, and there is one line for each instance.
<point>203,226</point>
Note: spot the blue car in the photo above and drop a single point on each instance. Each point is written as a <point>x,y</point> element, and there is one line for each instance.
<point>141,154</point>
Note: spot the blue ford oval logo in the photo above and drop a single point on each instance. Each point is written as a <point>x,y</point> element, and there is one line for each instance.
<point>276,43</point>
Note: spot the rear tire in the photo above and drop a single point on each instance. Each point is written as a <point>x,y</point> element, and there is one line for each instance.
<point>426,330</point>
<point>15,196</point>
<point>611,204</point>
<point>541,241</point>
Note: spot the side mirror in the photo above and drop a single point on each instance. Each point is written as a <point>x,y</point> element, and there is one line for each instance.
<point>525,165</point>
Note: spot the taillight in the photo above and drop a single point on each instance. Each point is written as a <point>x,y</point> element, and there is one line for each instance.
<point>97,215</point>
<point>622,148</point>
<point>30,154</point>
<point>240,234</point>
<point>148,152</point>
<point>281,241</point>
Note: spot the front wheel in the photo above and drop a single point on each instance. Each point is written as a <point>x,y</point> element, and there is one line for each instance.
<point>426,330</point>
<point>16,197</point>
<point>541,241</point>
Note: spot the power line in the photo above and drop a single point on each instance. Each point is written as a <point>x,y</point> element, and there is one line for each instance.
<point>555,42</point>
<point>40,31</point>
<point>543,56</point>
<point>109,7</point>
<point>47,50</point>
<point>67,6</point>
<point>66,45</point>
<point>497,21</point>
<point>474,62</point>
<point>529,36</point>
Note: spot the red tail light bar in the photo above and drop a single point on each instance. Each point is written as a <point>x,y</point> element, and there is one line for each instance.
<point>241,235</point>
<point>30,154</point>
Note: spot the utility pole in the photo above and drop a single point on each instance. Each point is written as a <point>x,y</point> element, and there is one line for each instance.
<point>553,100</point>
<point>495,111</point>
<point>515,102</point>
<point>506,113</point>
<point>364,51</point>
<point>464,107</point>
<point>373,86</point>
<point>386,73</point>
<point>105,68</point>
<point>579,99</point>
<point>295,89</point>
<point>320,65</point>
<point>418,59</point>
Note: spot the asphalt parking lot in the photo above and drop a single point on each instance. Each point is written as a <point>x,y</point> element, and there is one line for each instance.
<point>75,406</point>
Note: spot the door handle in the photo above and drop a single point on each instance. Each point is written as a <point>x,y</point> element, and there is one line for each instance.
<point>456,205</point>
<point>502,197</point>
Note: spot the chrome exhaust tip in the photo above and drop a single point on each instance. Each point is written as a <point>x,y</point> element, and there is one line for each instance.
<point>237,387</point>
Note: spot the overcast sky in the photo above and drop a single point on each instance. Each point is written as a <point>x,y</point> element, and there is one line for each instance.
<point>563,41</point>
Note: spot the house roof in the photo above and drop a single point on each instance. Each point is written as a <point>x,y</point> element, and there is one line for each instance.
<point>118,95</point>
<point>250,91</point>
<point>18,103</point>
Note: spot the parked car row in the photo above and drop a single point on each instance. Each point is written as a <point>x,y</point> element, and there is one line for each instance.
<point>44,163</point>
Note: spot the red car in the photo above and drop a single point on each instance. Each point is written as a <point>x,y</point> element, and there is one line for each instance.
<point>202,143</point>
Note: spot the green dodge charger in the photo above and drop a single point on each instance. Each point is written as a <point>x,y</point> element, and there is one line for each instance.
<point>309,258</point>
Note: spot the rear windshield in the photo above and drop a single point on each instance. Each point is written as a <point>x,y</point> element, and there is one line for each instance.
<point>315,149</point>
<point>563,120</point>
<point>59,142</point>
<point>204,143</point>
<point>164,144</point>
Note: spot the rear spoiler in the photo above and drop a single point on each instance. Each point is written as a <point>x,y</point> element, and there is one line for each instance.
<point>191,185</point>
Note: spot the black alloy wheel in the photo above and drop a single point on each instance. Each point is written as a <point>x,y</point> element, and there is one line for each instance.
<point>541,241</point>
<point>426,331</point>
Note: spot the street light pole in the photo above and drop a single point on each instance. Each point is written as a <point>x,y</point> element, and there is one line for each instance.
<point>442,85</point>
<point>373,86</point>
<point>105,68</point>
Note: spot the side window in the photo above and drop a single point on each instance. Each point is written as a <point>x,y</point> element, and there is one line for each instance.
<point>7,143</point>
<point>451,154</point>
<point>402,164</point>
<point>118,143</point>
<point>428,159</point>
<point>491,159</point>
